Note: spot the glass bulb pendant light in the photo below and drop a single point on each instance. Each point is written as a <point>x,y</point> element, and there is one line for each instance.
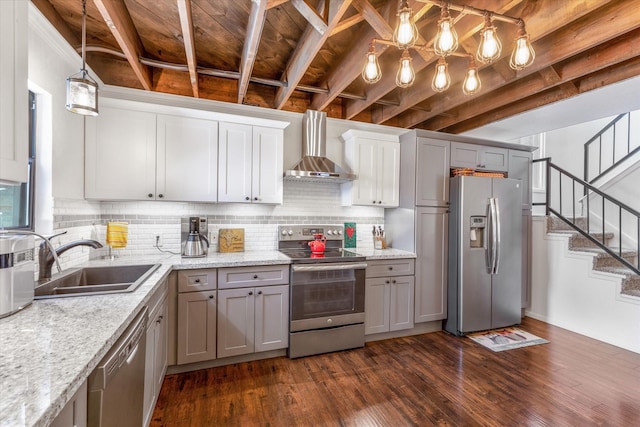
<point>490,47</point>
<point>406,76</point>
<point>371,72</point>
<point>471,84</point>
<point>441,80</point>
<point>523,53</point>
<point>446,40</point>
<point>82,90</point>
<point>406,33</point>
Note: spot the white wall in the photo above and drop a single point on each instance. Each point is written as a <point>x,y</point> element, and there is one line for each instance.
<point>566,292</point>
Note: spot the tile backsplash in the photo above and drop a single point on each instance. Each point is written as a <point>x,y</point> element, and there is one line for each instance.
<point>304,203</point>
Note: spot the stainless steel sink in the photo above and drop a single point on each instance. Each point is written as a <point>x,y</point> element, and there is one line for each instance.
<point>95,281</point>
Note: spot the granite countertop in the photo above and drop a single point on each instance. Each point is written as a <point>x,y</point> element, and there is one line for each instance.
<point>49,349</point>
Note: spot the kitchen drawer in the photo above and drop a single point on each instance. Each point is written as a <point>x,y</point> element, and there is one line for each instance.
<point>243,277</point>
<point>197,280</point>
<point>391,267</point>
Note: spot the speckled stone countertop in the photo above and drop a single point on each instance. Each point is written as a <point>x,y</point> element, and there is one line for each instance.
<point>389,253</point>
<point>49,349</point>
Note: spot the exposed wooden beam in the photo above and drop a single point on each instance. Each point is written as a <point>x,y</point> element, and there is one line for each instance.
<point>186,23</point>
<point>251,42</point>
<point>311,15</point>
<point>347,23</point>
<point>45,7</point>
<point>275,3</point>
<point>345,72</point>
<point>371,15</point>
<point>116,15</point>
<point>310,43</point>
<point>577,33</point>
<point>596,80</point>
<point>465,29</point>
<point>563,75</point>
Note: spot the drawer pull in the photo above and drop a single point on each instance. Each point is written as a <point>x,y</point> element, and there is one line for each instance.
<point>255,276</point>
<point>197,280</point>
<point>390,268</point>
<point>210,296</point>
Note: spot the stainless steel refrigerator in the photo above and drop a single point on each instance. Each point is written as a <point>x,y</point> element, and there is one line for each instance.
<point>485,250</point>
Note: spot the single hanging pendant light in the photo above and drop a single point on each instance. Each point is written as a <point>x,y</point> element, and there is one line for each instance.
<point>371,72</point>
<point>490,47</point>
<point>471,84</point>
<point>441,79</point>
<point>406,76</point>
<point>446,40</point>
<point>82,90</point>
<point>523,53</point>
<point>406,33</point>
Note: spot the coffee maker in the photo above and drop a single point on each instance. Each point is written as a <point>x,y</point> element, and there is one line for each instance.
<point>193,236</point>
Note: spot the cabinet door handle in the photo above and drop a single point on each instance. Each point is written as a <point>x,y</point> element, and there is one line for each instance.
<point>379,202</point>
<point>161,195</point>
<point>259,292</point>
<point>374,202</point>
<point>387,282</point>
<point>250,293</point>
<point>255,198</point>
<point>393,281</point>
<point>247,198</point>
<point>150,195</point>
<point>210,296</point>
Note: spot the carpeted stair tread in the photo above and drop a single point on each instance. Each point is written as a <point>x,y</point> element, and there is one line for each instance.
<point>556,224</point>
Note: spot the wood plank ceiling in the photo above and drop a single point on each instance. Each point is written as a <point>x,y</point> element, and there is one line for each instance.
<point>300,54</point>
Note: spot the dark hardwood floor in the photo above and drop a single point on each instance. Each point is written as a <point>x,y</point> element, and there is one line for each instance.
<point>424,380</point>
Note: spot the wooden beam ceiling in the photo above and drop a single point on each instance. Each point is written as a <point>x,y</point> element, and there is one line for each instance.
<point>299,54</point>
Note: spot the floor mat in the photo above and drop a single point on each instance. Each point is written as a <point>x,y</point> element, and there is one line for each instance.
<point>506,339</point>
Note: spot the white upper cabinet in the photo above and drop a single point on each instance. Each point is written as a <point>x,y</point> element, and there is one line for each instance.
<point>250,164</point>
<point>14,92</point>
<point>375,159</point>
<point>120,155</point>
<point>186,159</point>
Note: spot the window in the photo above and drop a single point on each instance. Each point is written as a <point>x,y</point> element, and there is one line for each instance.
<point>17,201</point>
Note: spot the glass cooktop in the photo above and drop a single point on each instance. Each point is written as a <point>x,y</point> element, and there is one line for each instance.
<point>331,255</point>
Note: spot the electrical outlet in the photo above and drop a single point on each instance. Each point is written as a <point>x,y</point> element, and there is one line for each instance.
<point>213,235</point>
<point>159,241</point>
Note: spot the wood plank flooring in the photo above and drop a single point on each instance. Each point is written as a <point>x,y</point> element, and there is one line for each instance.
<point>424,380</point>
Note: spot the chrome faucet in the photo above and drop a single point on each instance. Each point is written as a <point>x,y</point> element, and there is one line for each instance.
<point>46,257</point>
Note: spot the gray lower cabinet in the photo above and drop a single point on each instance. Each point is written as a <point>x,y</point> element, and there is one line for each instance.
<point>389,295</point>
<point>432,234</point>
<point>156,350</point>
<point>74,413</point>
<point>252,320</point>
<point>196,327</point>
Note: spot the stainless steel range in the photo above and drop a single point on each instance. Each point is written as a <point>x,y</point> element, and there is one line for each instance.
<point>327,291</point>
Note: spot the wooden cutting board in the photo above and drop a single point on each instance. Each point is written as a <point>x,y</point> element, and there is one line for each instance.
<point>231,240</point>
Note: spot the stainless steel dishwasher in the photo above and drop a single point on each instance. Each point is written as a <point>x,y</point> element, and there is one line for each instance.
<point>116,386</point>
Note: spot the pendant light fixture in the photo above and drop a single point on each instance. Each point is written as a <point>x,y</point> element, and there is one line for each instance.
<point>371,72</point>
<point>523,53</point>
<point>446,40</point>
<point>405,76</point>
<point>82,90</point>
<point>471,84</point>
<point>446,43</point>
<point>490,47</point>
<point>406,33</point>
<point>441,79</point>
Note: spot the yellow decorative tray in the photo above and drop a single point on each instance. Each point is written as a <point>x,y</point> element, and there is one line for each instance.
<point>231,240</point>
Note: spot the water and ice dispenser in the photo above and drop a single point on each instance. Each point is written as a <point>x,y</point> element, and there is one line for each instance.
<point>477,226</point>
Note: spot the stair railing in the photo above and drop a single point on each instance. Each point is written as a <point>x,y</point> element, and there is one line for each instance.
<point>555,203</point>
<point>616,130</point>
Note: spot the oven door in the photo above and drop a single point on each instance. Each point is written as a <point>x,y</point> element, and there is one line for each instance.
<point>327,295</point>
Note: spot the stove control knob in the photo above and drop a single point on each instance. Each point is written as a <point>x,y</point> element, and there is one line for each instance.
<point>284,232</point>
<point>329,232</point>
<point>290,232</point>
<point>339,232</point>
<point>329,321</point>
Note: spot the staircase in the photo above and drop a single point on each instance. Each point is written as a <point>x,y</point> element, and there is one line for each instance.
<point>602,261</point>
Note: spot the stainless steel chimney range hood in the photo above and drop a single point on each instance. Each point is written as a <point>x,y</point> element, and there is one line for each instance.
<point>314,165</point>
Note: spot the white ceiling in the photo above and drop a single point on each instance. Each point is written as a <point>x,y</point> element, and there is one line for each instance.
<point>608,101</point>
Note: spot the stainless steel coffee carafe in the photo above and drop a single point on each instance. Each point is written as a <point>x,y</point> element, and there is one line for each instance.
<point>194,240</point>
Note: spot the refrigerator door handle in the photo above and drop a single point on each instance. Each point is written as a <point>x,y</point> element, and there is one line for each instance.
<point>489,239</point>
<point>496,259</point>
<point>493,235</point>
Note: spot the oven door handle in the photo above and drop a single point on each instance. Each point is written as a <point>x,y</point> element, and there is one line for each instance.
<point>327,267</point>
